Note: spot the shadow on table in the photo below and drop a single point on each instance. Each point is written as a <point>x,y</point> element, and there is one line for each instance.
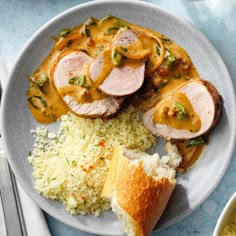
<point>176,207</point>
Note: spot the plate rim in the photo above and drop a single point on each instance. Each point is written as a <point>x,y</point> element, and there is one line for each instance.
<point>184,22</point>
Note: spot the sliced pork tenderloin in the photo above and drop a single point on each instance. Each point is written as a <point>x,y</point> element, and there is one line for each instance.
<point>122,77</point>
<point>128,44</point>
<point>104,108</point>
<point>207,104</point>
<point>74,64</point>
<point>121,80</point>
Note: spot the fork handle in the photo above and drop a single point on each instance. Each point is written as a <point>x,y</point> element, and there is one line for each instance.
<point>9,203</point>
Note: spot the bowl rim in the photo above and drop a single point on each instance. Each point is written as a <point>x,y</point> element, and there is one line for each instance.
<point>225,214</point>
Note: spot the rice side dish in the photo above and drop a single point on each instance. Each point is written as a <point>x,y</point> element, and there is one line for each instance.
<point>71,165</point>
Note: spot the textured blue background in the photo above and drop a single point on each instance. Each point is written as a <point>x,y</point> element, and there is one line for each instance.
<point>215,18</point>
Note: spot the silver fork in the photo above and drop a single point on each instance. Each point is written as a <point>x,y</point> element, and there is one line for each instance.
<point>12,211</point>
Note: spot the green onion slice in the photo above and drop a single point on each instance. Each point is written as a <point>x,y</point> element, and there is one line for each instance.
<point>64,33</point>
<point>182,113</point>
<point>36,102</point>
<point>80,80</point>
<point>116,58</point>
<point>196,142</point>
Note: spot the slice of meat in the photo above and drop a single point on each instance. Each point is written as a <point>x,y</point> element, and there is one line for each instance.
<point>120,80</point>
<point>125,38</point>
<point>75,63</point>
<point>129,45</point>
<point>103,108</point>
<point>206,102</point>
<point>69,64</point>
<point>123,80</point>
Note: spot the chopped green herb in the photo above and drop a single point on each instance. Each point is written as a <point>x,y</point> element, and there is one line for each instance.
<point>111,30</point>
<point>196,141</point>
<point>118,24</point>
<point>33,100</point>
<point>124,49</point>
<point>85,31</point>
<point>43,79</point>
<point>169,56</point>
<point>77,80</point>
<point>108,17</point>
<point>166,40</point>
<point>182,113</point>
<point>74,163</point>
<point>39,79</point>
<point>116,58</point>
<point>171,61</point>
<point>69,43</point>
<point>158,48</point>
<point>122,24</point>
<point>64,33</point>
<point>91,21</point>
<point>80,80</point>
<point>123,28</point>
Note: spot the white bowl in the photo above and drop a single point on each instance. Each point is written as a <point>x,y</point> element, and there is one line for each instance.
<point>225,214</point>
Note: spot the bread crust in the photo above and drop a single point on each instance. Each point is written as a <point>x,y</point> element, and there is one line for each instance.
<point>141,196</point>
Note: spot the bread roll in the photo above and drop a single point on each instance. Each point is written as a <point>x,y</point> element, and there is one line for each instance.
<point>139,186</point>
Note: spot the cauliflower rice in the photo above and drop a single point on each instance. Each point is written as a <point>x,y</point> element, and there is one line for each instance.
<point>71,165</point>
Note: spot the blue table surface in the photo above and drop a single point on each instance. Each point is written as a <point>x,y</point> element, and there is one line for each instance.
<point>214,18</point>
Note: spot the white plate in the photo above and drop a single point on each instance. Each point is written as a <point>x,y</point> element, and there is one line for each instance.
<point>193,187</point>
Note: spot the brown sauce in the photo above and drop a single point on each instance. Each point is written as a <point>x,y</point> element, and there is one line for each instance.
<point>189,155</point>
<point>44,99</point>
<point>168,67</point>
<point>107,67</point>
<point>176,110</point>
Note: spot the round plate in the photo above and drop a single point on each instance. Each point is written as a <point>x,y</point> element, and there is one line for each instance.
<point>194,186</point>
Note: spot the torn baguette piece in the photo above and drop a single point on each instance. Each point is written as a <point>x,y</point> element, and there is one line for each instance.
<point>139,187</point>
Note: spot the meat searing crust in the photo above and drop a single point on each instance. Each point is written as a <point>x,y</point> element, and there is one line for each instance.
<point>218,101</point>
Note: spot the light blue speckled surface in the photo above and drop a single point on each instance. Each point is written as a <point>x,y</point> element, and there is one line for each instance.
<point>215,18</point>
